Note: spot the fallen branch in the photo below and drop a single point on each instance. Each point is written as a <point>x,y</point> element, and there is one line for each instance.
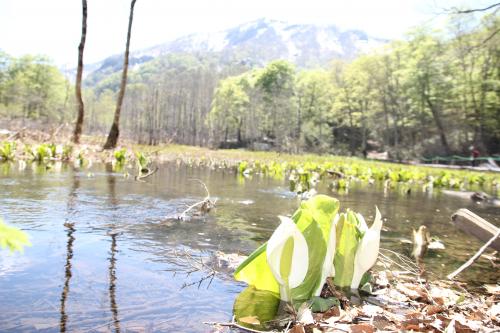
<point>233,324</point>
<point>205,205</point>
<point>474,257</point>
<point>16,134</point>
<point>192,264</point>
<point>141,176</point>
<point>56,131</point>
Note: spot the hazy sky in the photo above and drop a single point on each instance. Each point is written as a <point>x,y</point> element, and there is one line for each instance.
<point>52,27</point>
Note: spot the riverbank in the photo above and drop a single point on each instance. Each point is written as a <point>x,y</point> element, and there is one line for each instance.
<point>301,168</point>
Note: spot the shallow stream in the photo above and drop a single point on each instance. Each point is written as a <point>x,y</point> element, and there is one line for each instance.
<point>107,254</point>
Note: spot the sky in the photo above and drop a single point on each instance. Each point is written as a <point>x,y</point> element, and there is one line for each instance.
<point>53,27</point>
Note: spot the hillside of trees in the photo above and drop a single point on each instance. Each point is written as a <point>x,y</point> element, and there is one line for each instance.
<point>434,93</point>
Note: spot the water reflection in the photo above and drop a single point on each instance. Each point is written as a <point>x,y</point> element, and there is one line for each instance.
<point>70,230</point>
<point>112,283</point>
<point>113,305</point>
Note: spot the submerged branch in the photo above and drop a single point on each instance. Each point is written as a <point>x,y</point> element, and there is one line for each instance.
<point>233,324</point>
<point>141,176</point>
<point>474,257</point>
<point>205,205</point>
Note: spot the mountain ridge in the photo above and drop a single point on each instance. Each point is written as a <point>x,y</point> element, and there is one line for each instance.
<point>256,43</point>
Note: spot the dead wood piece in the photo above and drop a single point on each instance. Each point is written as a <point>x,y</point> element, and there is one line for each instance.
<point>235,325</point>
<point>474,257</point>
<point>475,225</point>
<point>141,176</point>
<point>337,174</point>
<point>204,205</point>
<point>54,133</point>
<point>16,135</point>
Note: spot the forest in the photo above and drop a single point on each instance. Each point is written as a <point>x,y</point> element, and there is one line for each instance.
<point>433,93</point>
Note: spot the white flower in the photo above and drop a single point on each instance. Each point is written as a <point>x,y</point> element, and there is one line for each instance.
<point>288,256</point>
<point>367,252</point>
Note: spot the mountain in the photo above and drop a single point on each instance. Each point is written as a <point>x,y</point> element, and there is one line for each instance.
<point>256,43</point>
<point>264,40</point>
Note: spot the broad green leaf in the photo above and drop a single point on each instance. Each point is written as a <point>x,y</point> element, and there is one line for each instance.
<point>12,238</point>
<point>320,304</point>
<point>314,220</point>
<point>256,272</point>
<point>323,208</point>
<point>317,250</point>
<point>286,259</point>
<point>261,304</point>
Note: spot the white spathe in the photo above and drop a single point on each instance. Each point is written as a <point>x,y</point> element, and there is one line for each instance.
<point>328,267</point>
<point>367,252</point>
<point>299,260</point>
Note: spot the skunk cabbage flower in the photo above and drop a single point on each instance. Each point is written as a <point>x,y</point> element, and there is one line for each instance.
<point>328,267</point>
<point>367,251</point>
<point>313,220</point>
<point>288,256</point>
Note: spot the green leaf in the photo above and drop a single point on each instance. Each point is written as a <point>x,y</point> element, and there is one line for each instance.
<point>12,238</point>
<point>286,259</point>
<point>314,220</point>
<point>256,272</point>
<point>252,302</point>
<point>320,304</point>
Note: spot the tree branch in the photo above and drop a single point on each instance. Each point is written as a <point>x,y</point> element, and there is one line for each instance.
<point>474,257</point>
<point>469,11</point>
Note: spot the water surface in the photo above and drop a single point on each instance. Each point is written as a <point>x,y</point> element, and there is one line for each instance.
<point>107,255</point>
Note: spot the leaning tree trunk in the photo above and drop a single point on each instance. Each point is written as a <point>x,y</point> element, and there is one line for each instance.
<point>78,86</point>
<point>115,128</point>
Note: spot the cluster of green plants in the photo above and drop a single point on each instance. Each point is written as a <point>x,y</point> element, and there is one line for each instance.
<point>45,152</point>
<point>302,174</point>
<point>48,151</point>
<point>317,243</point>
<point>39,153</point>
<point>7,151</point>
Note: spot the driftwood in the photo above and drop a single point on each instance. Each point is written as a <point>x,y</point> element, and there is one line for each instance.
<point>474,257</point>
<point>474,225</point>
<point>478,197</point>
<point>148,173</point>
<point>205,205</point>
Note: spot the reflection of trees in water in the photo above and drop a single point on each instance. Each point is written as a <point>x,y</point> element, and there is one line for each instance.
<point>111,180</point>
<point>112,283</point>
<point>70,229</point>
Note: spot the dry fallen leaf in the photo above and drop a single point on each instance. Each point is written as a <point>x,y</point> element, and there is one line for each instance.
<point>477,315</point>
<point>409,292</point>
<point>304,315</point>
<point>298,329</point>
<point>252,320</point>
<point>494,312</point>
<point>433,309</point>
<point>332,312</point>
<point>362,328</point>
<point>493,289</point>
<point>382,323</point>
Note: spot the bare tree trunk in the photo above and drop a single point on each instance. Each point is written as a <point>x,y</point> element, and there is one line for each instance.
<point>439,123</point>
<point>114,133</point>
<point>78,86</point>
